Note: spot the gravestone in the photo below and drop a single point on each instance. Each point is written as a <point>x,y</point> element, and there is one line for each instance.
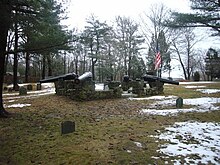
<point>67,127</point>
<point>29,87</point>
<point>179,102</point>
<point>22,91</point>
<point>38,86</point>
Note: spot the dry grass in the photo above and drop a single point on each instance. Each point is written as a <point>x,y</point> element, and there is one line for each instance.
<point>105,130</point>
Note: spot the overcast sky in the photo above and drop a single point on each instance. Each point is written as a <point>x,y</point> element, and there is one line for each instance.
<point>107,10</point>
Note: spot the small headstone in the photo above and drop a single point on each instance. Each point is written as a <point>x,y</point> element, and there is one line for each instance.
<point>22,91</point>
<point>29,87</point>
<point>38,86</point>
<point>67,127</point>
<point>179,102</point>
<point>16,87</point>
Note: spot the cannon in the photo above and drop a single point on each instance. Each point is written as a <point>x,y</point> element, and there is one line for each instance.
<point>150,78</point>
<point>68,76</point>
<point>126,78</point>
<point>140,87</point>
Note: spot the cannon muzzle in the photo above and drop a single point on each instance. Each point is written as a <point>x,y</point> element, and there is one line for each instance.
<point>83,77</point>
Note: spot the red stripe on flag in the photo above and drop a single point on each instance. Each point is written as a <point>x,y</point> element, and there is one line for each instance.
<point>157,60</point>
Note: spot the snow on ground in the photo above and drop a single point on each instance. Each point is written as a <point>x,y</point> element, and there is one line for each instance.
<point>208,91</point>
<point>138,144</point>
<point>203,104</point>
<point>99,87</point>
<point>192,86</point>
<point>198,82</point>
<point>11,94</point>
<point>166,112</point>
<point>188,142</point>
<point>130,95</point>
<point>47,88</point>
<point>18,105</point>
<point>32,94</point>
<point>154,98</point>
<point>198,143</point>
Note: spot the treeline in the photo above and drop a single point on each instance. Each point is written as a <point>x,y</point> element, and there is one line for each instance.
<point>47,49</point>
<point>39,46</point>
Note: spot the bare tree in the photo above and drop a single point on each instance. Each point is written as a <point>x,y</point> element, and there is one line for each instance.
<point>153,29</point>
<point>183,45</point>
<point>96,31</point>
<point>129,41</point>
<point>200,62</point>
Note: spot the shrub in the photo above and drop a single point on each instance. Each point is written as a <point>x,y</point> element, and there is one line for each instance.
<point>196,76</point>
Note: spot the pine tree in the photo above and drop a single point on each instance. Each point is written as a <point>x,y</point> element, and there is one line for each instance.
<point>38,24</point>
<point>206,15</point>
<point>212,64</point>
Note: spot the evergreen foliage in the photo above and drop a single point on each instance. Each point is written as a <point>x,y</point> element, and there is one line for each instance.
<point>212,63</point>
<point>207,14</point>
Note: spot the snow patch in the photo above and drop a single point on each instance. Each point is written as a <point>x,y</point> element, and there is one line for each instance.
<point>18,105</point>
<point>47,85</point>
<point>166,112</point>
<point>154,98</point>
<point>197,82</point>
<point>32,94</point>
<point>138,144</point>
<point>208,91</point>
<point>99,87</point>
<point>192,87</point>
<point>198,143</point>
<point>10,94</point>
<point>203,104</point>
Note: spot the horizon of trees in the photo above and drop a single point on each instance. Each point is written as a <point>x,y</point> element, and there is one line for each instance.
<point>37,45</point>
<point>87,49</point>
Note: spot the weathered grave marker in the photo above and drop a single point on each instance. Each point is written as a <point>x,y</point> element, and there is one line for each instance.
<point>38,86</point>
<point>179,102</point>
<point>29,87</point>
<point>67,127</point>
<point>22,91</point>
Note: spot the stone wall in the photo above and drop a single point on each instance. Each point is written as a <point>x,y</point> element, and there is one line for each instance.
<point>85,90</point>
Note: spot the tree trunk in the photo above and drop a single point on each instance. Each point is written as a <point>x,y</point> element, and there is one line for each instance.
<point>27,67</point>
<point>6,63</point>
<point>5,12</point>
<point>93,68</point>
<point>76,64</point>
<point>84,62</point>
<point>180,60</point>
<point>43,67</point>
<point>15,67</point>
<point>64,63</point>
<point>49,62</point>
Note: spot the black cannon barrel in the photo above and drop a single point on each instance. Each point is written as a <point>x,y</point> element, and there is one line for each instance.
<point>151,78</point>
<point>68,76</point>
<point>83,77</point>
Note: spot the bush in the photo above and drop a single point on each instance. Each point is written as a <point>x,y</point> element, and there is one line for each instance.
<point>196,76</point>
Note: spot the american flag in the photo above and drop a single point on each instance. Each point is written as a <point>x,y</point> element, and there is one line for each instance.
<point>157,60</point>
